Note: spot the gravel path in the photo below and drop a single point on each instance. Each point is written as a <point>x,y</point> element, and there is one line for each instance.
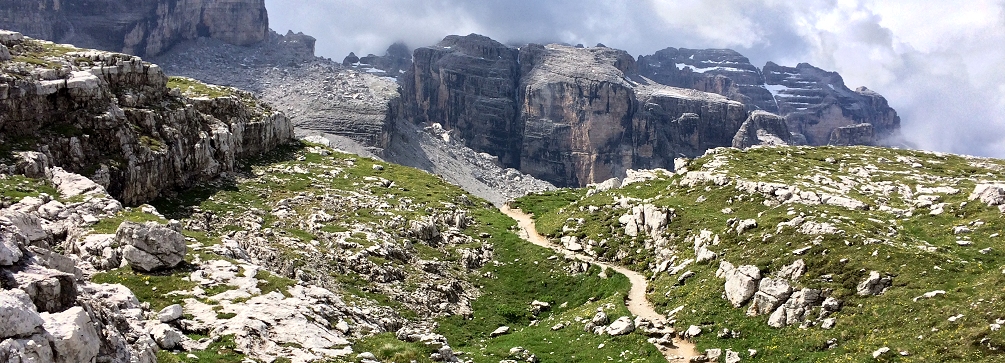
<point>637,303</point>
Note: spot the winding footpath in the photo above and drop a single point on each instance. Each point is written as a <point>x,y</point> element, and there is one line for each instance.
<point>637,303</point>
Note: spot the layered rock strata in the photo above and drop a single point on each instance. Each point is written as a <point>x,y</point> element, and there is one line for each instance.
<point>143,27</point>
<point>112,118</point>
<point>570,116</point>
<point>814,102</point>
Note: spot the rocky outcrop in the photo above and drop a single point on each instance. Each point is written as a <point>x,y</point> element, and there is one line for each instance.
<point>859,134</point>
<point>762,128</point>
<point>468,84</point>
<point>112,118</point>
<point>314,92</point>
<point>816,103</point>
<point>142,27</point>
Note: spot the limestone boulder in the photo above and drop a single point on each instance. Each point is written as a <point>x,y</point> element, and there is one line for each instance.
<point>621,326</point>
<point>36,348</point>
<point>875,284</point>
<point>152,246</point>
<point>10,249</point>
<point>166,336</point>
<point>18,314</point>
<point>770,294</point>
<point>762,128</point>
<point>74,338</point>
<point>742,284</point>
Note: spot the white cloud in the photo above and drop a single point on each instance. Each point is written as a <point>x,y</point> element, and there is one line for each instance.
<point>938,63</point>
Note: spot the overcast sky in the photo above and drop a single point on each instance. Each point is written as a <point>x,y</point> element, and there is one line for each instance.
<point>941,64</point>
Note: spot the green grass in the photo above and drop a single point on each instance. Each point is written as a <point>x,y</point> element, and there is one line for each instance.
<point>527,275</point>
<point>198,89</point>
<point>13,188</point>
<point>224,350</point>
<point>269,282</point>
<point>387,348</point>
<point>974,281</point>
<point>153,287</point>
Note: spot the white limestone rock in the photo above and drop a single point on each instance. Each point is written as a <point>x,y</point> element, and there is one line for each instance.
<point>793,271</point>
<point>875,284</point>
<point>72,185</point>
<point>152,246</point>
<point>18,314</point>
<point>170,313</point>
<point>502,330</point>
<point>166,337</point>
<point>771,293</point>
<point>741,284</point>
<point>990,194</point>
<point>621,326</point>
<point>34,349</point>
<point>74,338</point>
<point>10,252</point>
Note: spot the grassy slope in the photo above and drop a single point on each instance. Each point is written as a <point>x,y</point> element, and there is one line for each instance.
<point>526,273</point>
<point>974,281</point>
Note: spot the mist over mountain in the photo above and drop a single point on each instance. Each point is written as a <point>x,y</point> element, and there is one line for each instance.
<point>937,64</point>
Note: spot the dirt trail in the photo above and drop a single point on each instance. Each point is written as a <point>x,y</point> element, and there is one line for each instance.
<point>637,303</point>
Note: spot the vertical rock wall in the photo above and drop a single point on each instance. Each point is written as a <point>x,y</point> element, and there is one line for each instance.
<point>140,27</point>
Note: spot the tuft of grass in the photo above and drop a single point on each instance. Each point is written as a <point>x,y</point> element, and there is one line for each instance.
<point>198,89</point>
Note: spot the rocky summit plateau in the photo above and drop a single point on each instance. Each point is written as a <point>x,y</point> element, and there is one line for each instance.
<point>240,199</point>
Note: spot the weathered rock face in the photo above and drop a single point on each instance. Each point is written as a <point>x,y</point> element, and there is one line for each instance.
<point>151,246</point>
<point>577,109</point>
<point>468,84</point>
<point>721,71</point>
<point>816,102</point>
<point>858,134</point>
<point>112,118</point>
<point>570,116</point>
<point>395,62</point>
<point>762,128</point>
<point>142,27</point>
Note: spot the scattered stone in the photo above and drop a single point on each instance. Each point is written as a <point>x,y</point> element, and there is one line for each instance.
<point>874,284</point>
<point>880,351</point>
<point>731,357</point>
<point>166,337</point>
<point>600,318</point>
<point>745,225</point>
<point>499,331</point>
<point>930,294</point>
<point>692,331</point>
<point>621,326</point>
<point>793,271</point>
<point>170,313</point>
<point>828,323</point>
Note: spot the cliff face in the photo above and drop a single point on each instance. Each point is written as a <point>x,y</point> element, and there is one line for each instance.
<point>570,116</point>
<point>111,117</point>
<point>721,71</point>
<point>468,84</point>
<point>141,27</point>
<point>814,102</point>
